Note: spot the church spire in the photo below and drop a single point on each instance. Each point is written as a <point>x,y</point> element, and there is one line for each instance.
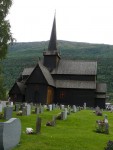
<point>53,40</point>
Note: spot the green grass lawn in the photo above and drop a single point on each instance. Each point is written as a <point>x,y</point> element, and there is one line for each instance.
<point>75,133</point>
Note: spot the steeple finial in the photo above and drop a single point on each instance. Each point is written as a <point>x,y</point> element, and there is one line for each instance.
<point>53,39</point>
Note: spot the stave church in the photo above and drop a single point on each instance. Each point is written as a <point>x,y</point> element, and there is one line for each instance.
<point>55,80</point>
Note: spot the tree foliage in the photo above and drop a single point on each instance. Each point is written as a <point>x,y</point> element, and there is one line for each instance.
<point>5,36</point>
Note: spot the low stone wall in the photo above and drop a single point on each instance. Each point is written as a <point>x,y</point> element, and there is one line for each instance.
<point>10,133</point>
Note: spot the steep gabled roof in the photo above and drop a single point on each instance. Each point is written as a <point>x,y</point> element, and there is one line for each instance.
<point>46,74</point>
<point>18,87</point>
<point>27,71</point>
<point>21,86</point>
<point>75,84</point>
<point>76,67</point>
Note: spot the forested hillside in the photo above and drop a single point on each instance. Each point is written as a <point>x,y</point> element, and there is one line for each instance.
<point>21,55</point>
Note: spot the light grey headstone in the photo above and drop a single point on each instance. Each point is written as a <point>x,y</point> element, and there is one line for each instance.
<point>61,107</point>
<point>11,103</point>
<point>74,109</point>
<point>53,106</point>
<point>41,109</point>
<point>17,107</point>
<point>37,110</point>
<point>38,125</point>
<point>10,133</point>
<point>8,111</point>
<point>28,107</point>
<point>0,107</point>
<point>50,107</point>
<point>63,115</point>
<point>3,103</point>
<point>84,105</point>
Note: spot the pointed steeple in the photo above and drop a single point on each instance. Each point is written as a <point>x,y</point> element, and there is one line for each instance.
<point>52,55</point>
<point>53,39</point>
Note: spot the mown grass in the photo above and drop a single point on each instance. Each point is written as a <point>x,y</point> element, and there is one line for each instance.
<point>75,133</point>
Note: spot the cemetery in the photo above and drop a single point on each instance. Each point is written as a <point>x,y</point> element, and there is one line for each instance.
<point>42,129</point>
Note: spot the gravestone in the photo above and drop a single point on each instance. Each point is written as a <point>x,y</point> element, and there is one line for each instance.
<point>0,107</point>
<point>74,108</point>
<point>50,107</point>
<point>3,103</point>
<point>17,107</point>
<point>41,109</point>
<point>28,107</point>
<point>84,106</point>
<point>24,111</point>
<point>54,121</point>
<point>64,115</point>
<point>37,110</point>
<point>38,125</point>
<point>10,133</point>
<point>61,107</point>
<point>8,111</point>
<point>53,106</point>
<point>69,111</point>
<point>11,104</point>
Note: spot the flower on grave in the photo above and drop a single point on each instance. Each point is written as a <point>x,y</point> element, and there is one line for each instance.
<point>29,131</point>
<point>109,145</point>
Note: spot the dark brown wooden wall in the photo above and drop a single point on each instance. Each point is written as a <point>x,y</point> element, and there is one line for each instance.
<point>74,77</point>
<point>75,96</point>
<point>50,61</point>
<point>36,93</point>
<point>100,102</point>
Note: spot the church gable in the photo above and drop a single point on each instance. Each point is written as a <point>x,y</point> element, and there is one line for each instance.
<point>15,89</point>
<point>36,76</point>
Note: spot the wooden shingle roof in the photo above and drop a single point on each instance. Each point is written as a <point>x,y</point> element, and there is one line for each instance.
<point>27,71</point>
<point>75,84</point>
<point>46,74</point>
<point>101,88</point>
<point>76,67</point>
<point>21,86</point>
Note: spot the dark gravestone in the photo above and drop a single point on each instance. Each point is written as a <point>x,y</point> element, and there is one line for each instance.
<point>54,121</point>
<point>10,133</point>
<point>38,125</point>
<point>24,111</point>
<point>8,111</point>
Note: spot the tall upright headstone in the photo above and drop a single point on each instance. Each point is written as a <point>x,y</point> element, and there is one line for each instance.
<point>28,107</point>
<point>38,125</point>
<point>84,106</point>
<point>0,107</point>
<point>17,107</point>
<point>74,108</point>
<point>8,111</point>
<point>50,107</point>
<point>37,110</point>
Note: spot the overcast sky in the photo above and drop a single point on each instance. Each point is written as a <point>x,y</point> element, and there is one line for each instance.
<point>76,20</point>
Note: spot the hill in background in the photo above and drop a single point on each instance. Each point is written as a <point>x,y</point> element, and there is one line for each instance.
<point>21,55</point>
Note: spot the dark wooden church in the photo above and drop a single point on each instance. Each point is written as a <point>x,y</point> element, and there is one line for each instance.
<point>54,80</point>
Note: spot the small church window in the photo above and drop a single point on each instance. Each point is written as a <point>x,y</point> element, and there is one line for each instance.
<point>62,94</point>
